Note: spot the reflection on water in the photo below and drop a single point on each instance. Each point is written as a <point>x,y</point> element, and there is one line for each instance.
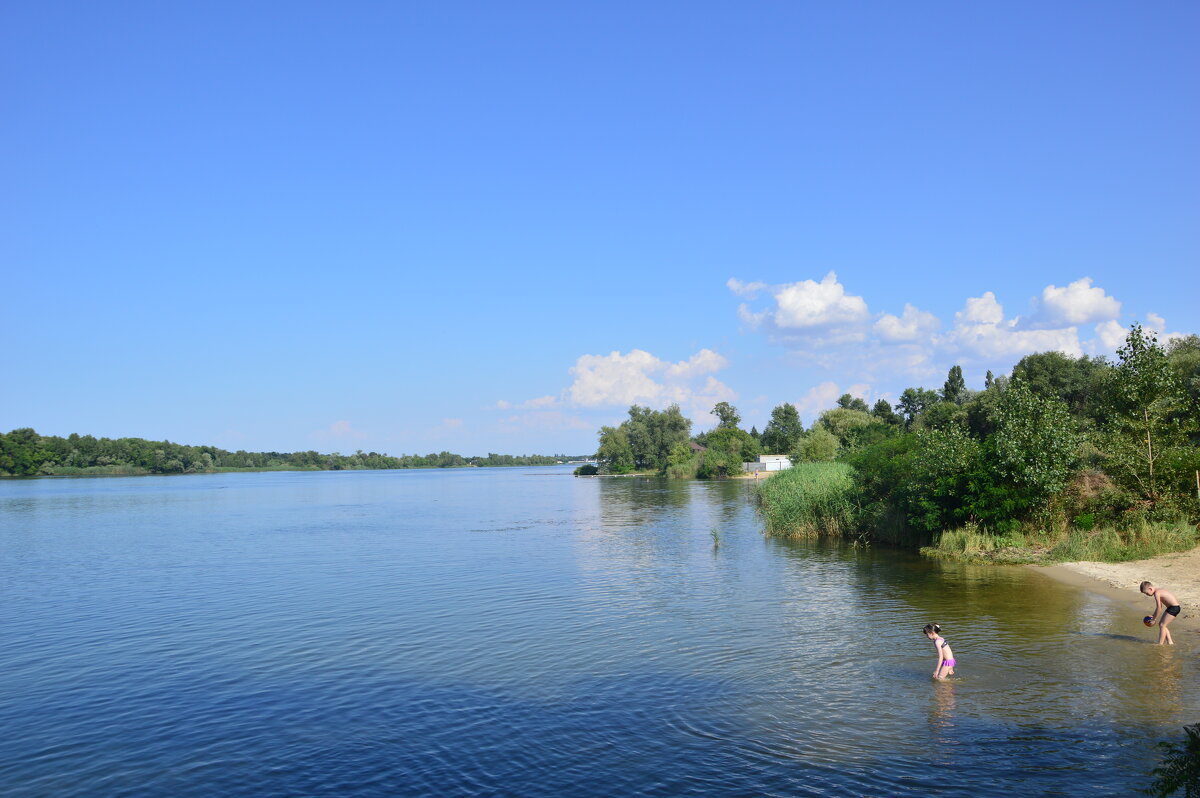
<point>524,632</point>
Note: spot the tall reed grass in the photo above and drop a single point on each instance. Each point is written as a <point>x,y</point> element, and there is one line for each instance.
<point>810,500</point>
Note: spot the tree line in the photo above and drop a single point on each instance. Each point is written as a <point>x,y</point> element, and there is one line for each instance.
<point>1060,441</point>
<point>25,453</point>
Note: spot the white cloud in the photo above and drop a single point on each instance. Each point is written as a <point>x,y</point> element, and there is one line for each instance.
<point>980,310</point>
<point>705,361</point>
<point>1159,325</point>
<point>980,330</point>
<point>1077,303</point>
<point>616,379</point>
<point>818,398</point>
<point>622,379</point>
<point>452,423</point>
<point>810,304</point>
<point>1111,335</point>
<point>749,290</point>
<point>912,325</point>
<point>825,325</point>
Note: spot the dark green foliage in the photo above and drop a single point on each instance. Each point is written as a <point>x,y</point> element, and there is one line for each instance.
<point>818,445</point>
<point>854,428</point>
<point>942,416</point>
<point>915,401</point>
<point>1147,440</point>
<point>25,453</point>
<point>1077,382</point>
<point>615,454</point>
<point>848,402</point>
<point>783,431</point>
<point>1179,769</point>
<point>587,470</point>
<point>644,442</point>
<point>954,389</point>
<point>728,448</point>
<point>883,411</point>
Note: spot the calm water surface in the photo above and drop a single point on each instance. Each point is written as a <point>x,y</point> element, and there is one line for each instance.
<point>523,632</point>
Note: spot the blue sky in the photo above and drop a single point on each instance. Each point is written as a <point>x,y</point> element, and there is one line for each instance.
<point>408,227</point>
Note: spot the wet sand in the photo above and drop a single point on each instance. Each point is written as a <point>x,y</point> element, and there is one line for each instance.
<point>1178,573</point>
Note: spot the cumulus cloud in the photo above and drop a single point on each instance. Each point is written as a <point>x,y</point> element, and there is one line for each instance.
<point>912,325</point>
<point>1111,335</point>
<point>641,378</point>
<point>637,377</point>
<point>980,330</point>
<point>811,304</point>
<point>824,324</point>
<point>616,379</point>
<point>1077,303</point>
<point>818,313</point>
<point>703,362</point>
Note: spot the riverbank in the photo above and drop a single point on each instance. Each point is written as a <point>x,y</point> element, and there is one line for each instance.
<point>1179,573</point>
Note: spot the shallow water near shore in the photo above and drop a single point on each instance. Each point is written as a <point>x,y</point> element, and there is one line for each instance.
<point>523,632</point>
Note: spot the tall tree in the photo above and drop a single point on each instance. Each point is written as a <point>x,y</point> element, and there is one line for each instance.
<point>955,386</point>
<point>883,411</point>
<point>783,431</point>
<point>727,415</point>
<point>1145,394</point>
<point>915,401</point>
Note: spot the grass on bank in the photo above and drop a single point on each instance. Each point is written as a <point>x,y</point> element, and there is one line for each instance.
<point>810,500</point>
<point>1140,542</point>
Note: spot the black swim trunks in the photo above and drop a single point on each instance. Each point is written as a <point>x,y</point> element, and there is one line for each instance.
<point>1174,610</point>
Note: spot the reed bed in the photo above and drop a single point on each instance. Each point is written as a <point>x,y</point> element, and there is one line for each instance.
<point>810,500</point>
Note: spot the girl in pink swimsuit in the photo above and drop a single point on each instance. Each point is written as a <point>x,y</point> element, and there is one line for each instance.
<point>945,664</point>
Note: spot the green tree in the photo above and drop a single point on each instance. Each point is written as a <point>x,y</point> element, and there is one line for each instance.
<point>783,431</point>
<point>848,402</point>
<point>727,415</point>
<point>853,428</point>
<point>1145,396</point>
<point>941,415</point>
<point>614,454</point>
<point>955,387</point>
<point>1075,381</point>
<point>653,434</point>
<point>935,492</point>
<point>1035,444</point>
<point>882,410</point>
<point>816,446</point>
<point>914,401</point>
<point>728,448</point>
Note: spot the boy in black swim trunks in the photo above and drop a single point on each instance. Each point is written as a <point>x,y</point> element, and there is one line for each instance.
<point>1167,602</point>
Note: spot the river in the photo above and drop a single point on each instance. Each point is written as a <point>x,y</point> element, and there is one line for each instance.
<point>523,632</point>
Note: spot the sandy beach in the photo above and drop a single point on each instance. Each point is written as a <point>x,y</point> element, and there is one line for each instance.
<point>1179,573</point>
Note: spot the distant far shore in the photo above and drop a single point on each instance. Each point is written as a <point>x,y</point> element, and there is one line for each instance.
<point>25,453</point>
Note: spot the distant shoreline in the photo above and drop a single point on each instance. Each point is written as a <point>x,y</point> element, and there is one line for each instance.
<point>263,469</point>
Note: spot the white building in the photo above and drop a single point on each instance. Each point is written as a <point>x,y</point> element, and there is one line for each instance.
<point>769,462</point>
